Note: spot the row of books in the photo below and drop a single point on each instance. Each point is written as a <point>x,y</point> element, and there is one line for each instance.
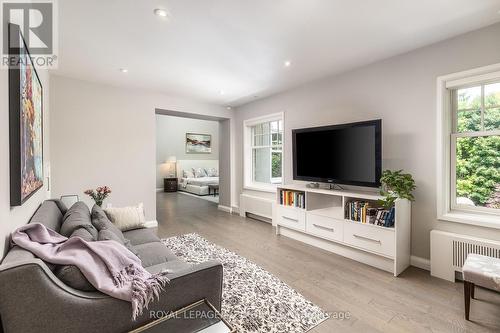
<point>293,199</point>
<point>385,217</point>
<point>362,211</point>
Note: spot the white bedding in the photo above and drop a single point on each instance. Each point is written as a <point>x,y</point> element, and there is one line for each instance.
<point>202,181</point>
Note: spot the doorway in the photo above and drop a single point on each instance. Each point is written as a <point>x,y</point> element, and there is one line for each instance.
<point>192,156</point>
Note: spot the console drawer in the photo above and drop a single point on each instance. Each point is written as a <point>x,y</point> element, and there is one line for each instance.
<point>325,227</point>
<point>370,238</point>
<point>294,218</point>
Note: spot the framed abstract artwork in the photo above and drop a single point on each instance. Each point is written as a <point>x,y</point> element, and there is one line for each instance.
<point>198,143</point>
<point>25,120</point>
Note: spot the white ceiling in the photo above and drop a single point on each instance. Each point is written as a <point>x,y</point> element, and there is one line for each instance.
<point>239,46</point>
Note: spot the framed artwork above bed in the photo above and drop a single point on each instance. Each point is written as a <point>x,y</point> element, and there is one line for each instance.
<point>25,121</point>
<point>198,143</point>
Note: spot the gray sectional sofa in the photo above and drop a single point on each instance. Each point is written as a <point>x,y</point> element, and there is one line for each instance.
<point>39,297</point>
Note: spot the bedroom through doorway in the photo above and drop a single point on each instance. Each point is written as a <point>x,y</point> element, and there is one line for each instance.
<point>187,156</point>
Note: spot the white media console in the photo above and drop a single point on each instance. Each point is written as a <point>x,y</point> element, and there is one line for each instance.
<point>322,223</point>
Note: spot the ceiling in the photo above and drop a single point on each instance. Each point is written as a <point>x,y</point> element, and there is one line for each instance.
<point>230,52</point>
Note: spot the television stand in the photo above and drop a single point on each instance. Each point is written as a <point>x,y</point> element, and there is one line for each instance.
<point>324,218</point>
<point>332,186</point>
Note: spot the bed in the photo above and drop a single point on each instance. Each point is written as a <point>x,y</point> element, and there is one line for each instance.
<point>192,184</point>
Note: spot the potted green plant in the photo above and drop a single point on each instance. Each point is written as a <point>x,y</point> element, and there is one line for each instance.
<point>396,184</point>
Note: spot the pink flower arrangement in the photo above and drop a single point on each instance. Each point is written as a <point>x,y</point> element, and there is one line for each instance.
<point>99,194</point>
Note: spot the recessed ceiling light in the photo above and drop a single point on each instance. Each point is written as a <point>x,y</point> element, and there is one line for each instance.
<point>161,12</point>
<point>228,107</point>
<point>221,92</point>
<point>288,63</point>
<point>123,70</point>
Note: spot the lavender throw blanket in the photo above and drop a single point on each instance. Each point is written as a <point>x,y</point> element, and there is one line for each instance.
<point>108,265</point>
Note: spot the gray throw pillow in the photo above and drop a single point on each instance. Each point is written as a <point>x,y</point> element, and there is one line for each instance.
<point>73,277</point>
<point>83,234</point>
<point>101,222</point>
<point>70,274</point>
<point>62,207</point>
<point>106,234</point>
<point>77,216</point>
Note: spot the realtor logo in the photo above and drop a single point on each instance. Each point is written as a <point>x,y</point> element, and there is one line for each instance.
<point>37,24</point>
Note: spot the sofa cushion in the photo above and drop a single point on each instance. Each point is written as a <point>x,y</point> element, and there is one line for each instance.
<point>100,221</point>
<point>49,215</point>
<point>106,234</point>
<point>173,266</point>
<point>77,216</point>
<point>141,236</point>
<point>154,253</point>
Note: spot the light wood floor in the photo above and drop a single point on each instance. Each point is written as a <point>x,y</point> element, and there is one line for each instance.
<point>375,300</point>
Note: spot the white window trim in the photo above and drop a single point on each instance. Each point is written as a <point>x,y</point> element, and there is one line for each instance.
<point>445,210</point>
<point>248,183</point>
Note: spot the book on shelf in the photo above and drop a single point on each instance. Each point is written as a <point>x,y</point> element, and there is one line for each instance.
<point>292,198</point>
<point>366,212</point>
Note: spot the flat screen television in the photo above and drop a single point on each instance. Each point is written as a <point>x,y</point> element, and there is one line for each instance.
<point>348,154</point>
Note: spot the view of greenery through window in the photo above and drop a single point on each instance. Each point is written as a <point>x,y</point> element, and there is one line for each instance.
<point>267,152</point>
<point>478,146</point>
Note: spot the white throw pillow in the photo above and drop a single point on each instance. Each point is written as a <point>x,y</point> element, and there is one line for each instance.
<point>127,218</point>
<point>212,172</point>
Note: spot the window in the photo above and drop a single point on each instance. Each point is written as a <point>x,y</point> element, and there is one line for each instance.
<point>476,147</point>
<point>264,152</point>
<point>469,147</point>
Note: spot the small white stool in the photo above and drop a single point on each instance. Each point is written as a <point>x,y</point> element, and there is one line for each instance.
<point>482,271</point>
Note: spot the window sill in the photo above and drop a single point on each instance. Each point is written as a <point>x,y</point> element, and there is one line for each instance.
<point>477,219</point>
<point>269,189</point>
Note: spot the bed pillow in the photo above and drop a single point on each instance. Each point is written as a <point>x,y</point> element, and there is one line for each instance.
<point>187,174</point>
<point>212,172</point>
<point>127,218</point>
<point>199,172</point>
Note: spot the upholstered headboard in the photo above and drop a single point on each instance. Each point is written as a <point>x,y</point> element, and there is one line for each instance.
<point>189,164</point>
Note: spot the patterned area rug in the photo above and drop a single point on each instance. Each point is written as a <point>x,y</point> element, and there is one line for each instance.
<point>253,300</point>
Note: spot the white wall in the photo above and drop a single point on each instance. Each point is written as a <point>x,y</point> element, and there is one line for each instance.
<point>401,91</point>
<point>13,217</point>
<point>105,135</point>
<point>226,157</point>
<point>171,141</point>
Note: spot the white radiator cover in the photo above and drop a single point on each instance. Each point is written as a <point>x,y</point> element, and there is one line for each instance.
<point>263,207</point>
<point>449,252</point>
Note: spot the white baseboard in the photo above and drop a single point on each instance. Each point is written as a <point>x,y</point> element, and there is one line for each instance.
<point>235,210</point>
<point>420,263</point>
<point>151,224</point>
<point>225,209</point>
<point>159,190</point>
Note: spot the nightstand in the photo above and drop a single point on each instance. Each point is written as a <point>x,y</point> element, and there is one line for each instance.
<point>170,184</point>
